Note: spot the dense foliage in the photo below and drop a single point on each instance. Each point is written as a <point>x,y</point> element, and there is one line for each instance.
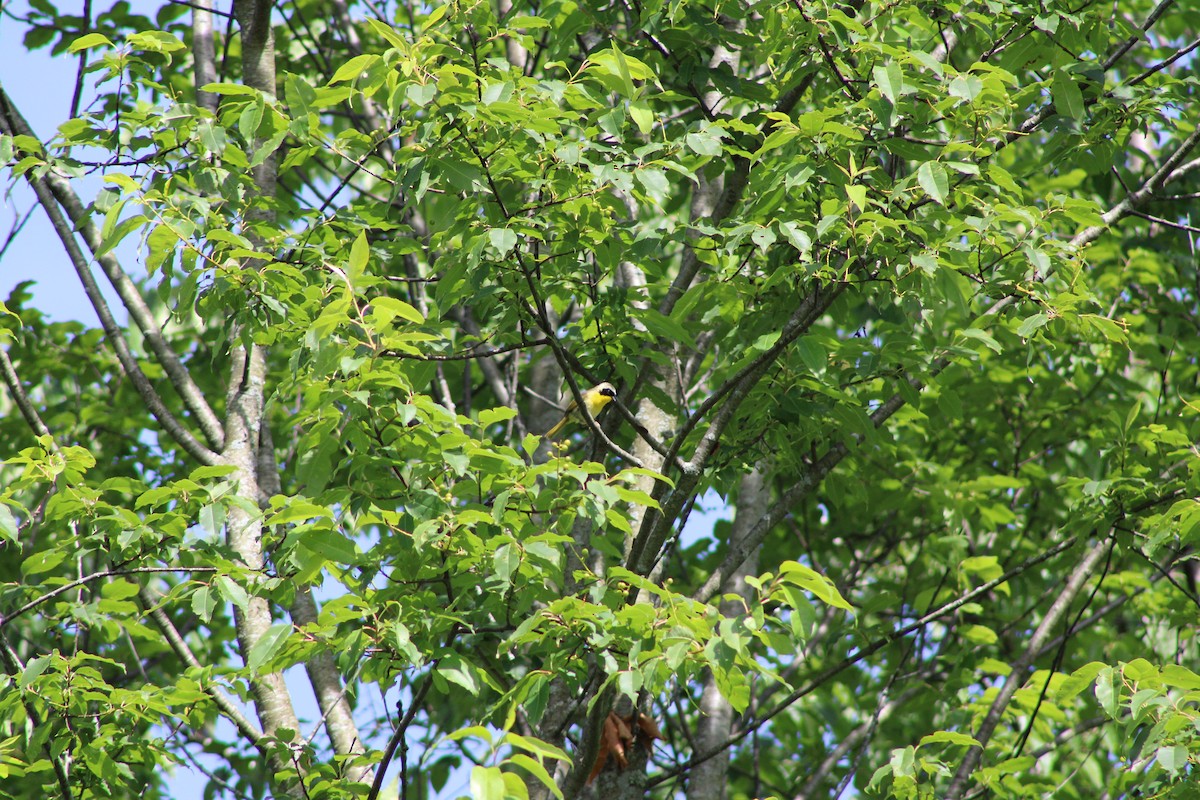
<point>905,291</point>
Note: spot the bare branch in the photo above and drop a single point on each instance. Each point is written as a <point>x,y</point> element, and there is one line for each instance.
<point>466,356</point>
<point>1018,675</point>
<point>27,409</point>
<point>5,619</point>
<point>11,124</point>
<point>870,649</point>
<point>51,188</point>
<point>249,731</point>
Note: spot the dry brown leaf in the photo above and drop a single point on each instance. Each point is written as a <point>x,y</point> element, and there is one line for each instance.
<point>617,735</point>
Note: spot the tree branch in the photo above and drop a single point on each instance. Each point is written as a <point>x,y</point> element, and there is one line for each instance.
<point>869,650</point>
<point>13,123</point>
<point>224,702</point>
<point>27,409</point>
<point>10,124</point>
<point>1017,676</point>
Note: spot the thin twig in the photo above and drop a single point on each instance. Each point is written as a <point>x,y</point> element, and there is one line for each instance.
<point>107,573</point>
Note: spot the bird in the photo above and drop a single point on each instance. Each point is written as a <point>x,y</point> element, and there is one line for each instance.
<point>597,398</point>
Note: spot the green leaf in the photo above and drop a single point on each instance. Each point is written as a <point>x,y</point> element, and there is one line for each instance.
<point>642,116</point>
<point>890,81</point>
<point>704,143</point>
<point>228,89</point>
<point>949,737</point>
<point>436,15</point>
<point>857,194</point>
<point>503,239</point>
<point>733,686</point>
<point>1180,677</point>
<point>487,783</point>
<point>505,562</point>
<point>89,40</point>
<point>122,229</point>
<point>41,562</point>
<point>933,179</point>
<point>1107,692</point>
<point>457,671</point>
<point>537,747</point>
<point>763,237</point>
<point>232,591</point>
<point>201,474</point>
<point>1068,100</point>
<point>623,70</point>
<point>797,236</point>
<point>34,668</point>
<point>360,254</point>
<point>1173,758</point>
<point>212,518</point>
<point>536,769</point>
<point>390,34</point>
<point>1031,324</point>
<point>267,647</point>
<point>966,87</point>
<point>8,525</point>
<point>268,147</point>
<point>330,545</point>
<point>808,578</point>
<point>421,95</point>
<point>386,309</point>
<point>155,41</point>
<point>204,603</point>
<point>355,67</point>
<point>514,787</point>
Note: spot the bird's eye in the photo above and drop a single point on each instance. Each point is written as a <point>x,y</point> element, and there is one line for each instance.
<point>608,392</point>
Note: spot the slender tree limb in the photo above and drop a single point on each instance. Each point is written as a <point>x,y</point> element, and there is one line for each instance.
<point>51,184</point>
<point>1130,41</point>
<point>321,668</point>
<point>189,4</point>
<point>327,685</point>
<point>245,413</point>
<point>398,736</point>
<point>808,481</point>
<point>488,365</point>
<point>1149,189</point>
<point>868,650</point>
<point>20,397</point>
<point>731,395</point>
<point>5,619</point>
<point>145,389</point>
<point>1017,677</point>
<point>80,69</point>
<point>244,527</point>
<point>537,310</point>
<point>1154,69</point>
<point>495,351</point>
<point>247,729</point>
<point>812,784</point>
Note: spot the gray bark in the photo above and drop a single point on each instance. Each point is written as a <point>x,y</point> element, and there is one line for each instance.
<point>707,781</point>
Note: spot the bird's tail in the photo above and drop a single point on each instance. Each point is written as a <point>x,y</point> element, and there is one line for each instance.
<point>557,427</point>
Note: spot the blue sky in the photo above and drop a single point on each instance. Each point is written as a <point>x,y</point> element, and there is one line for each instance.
<point>41,88</point>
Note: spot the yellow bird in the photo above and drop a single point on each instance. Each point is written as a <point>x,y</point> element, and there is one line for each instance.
<point>596,398</point>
